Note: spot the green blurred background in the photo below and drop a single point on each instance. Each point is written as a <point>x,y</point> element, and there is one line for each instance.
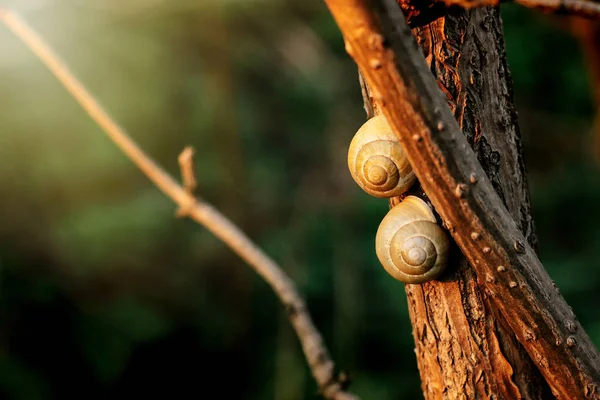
<point>105,294</point>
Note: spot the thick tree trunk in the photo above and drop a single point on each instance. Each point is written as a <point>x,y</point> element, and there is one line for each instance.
<point>464,350</point>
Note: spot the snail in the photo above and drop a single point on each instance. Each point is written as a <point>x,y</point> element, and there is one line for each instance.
<point>409,244</point>
<point>377,161</point>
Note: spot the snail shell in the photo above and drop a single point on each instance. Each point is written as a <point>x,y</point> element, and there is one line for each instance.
<point>409,244</point>
<point>377,161</point>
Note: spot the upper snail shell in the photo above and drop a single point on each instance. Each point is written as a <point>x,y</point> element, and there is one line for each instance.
<point>409,244</point>
<point>377,161</point>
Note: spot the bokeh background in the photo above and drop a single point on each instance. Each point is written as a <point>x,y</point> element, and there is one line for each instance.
<point>104,294</point>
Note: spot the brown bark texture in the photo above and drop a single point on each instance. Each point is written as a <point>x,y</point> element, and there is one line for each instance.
<point>507,289</point>
<point>464,348</point>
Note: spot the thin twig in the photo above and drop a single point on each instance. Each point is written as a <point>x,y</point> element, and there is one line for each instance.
<point>186,164</point>
<point>312,343</point>
<point>364,89</point>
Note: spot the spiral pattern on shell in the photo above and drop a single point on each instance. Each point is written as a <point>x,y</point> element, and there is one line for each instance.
<point>409,244</point>
<point>377,161</point>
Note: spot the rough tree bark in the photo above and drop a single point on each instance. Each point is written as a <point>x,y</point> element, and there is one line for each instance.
<point>465,325</point>
<point>463,347</point>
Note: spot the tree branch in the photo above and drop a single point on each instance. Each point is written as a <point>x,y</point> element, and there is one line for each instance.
<point>186,165</point>
<point>419,12</point>
<point>315,351</point>
<point>382,45</point>
<point>580,8</point>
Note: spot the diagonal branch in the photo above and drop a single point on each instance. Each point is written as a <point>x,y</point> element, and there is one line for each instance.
<point>380,42</point>
<point>315,351</point>
<point>580,8</point>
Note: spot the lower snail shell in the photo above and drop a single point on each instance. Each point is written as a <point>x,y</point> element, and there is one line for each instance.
<point>377,161</point>
<point>410,245</point>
